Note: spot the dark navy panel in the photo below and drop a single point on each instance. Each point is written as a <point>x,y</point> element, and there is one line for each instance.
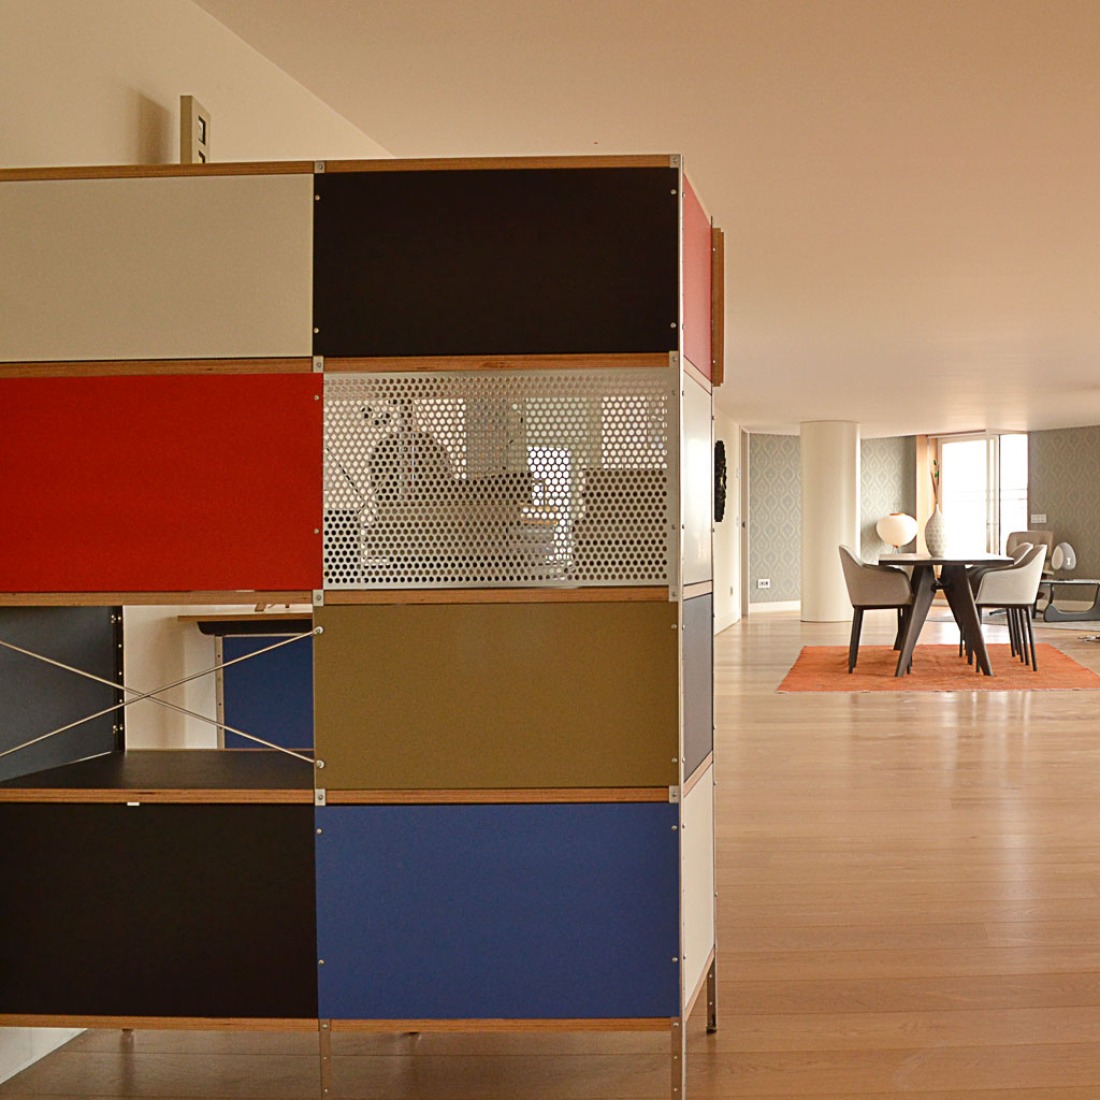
<point>157,910</point>
<point>36,698</point>
<point>518,911</point>
<point>270,696</point>
<point>698,680</point>
<point>496,262</point>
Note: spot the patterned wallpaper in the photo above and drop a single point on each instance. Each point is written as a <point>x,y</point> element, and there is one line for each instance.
<point>887,484</point>
<point>775,517</point>
<point>1062,482</point>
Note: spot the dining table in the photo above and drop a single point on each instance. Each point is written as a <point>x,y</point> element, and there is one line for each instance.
<point>955,582</point>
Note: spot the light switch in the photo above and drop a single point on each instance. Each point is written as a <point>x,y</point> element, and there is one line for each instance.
<point>194,131</point>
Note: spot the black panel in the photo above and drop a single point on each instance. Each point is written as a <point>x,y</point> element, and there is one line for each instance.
<point>175,769</point>
<point>698,681</point>
<point>157,910</point>
<point>496,262</point>
<point>36,697</point>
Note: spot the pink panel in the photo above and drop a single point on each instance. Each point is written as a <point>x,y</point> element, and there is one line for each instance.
<point>697,284</point>
<point>160,483</point>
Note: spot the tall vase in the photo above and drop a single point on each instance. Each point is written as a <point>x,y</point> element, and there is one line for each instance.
<point>935,533</point>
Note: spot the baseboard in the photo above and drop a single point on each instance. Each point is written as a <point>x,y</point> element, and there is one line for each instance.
<point>724,622</point>
<point>776,605</point>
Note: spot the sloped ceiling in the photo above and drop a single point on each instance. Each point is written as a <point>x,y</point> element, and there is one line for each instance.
<point>910,190</point>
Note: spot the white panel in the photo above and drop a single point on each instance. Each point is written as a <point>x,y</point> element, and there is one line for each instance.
<point>698,482</point>
<point>697,880</point>
<point>23,1046</point>
<point>169,268</point>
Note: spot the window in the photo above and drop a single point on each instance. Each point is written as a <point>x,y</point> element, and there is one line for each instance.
<point>983,489</point>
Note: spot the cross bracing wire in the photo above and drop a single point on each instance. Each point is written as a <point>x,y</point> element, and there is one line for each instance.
<point>139,696</point>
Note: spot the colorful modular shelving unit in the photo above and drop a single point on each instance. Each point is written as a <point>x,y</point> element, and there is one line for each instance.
<point>463,410</point>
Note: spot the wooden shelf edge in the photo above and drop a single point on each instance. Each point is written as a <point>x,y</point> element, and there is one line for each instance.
<point>641,1023</point>
<point>409,364</point>
<point>153,171</point>
<point>455,164</point>
<point>161,1023</point>
<point>114,599</point>
<point>717,306</point>
<point>346,597</point>
<point>495,796</point>
<point>100,368</point>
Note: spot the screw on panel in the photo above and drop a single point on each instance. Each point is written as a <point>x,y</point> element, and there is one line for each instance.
<point>320,763</point>
<point>318,362</point>
<point>318,166</point>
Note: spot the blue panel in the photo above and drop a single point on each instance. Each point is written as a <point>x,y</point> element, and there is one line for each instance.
<point>269,696</point>
<point>524,911</point>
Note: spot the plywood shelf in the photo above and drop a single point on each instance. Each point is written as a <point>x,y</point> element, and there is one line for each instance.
<point>169,775</point>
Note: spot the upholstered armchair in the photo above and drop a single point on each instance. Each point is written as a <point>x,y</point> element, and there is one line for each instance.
<point>871,587</point>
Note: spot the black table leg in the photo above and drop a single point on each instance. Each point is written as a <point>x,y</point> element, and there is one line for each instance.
<point>924,586</point>
<point>961,599</point>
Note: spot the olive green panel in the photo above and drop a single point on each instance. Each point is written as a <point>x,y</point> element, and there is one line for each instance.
<point>497,695</point>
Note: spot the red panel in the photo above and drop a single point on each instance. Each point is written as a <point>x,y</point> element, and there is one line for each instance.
<point>160,483</point>
<point>697,267</point>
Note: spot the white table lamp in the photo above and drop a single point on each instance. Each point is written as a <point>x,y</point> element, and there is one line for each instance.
<point>897,529</point>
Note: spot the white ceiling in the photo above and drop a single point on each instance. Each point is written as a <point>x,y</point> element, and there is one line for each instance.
<point>910,189</point>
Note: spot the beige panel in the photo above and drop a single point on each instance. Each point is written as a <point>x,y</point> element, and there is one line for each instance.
<point>172,268</point>
<point>697,879</point>
<point>500,695</point>
<point>697,492</point>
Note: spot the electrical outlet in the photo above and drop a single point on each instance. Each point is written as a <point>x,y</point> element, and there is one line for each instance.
<point>763,582</point>
<point>1039,517</point>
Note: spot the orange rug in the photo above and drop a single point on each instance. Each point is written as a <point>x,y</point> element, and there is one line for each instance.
<point>935,668</point>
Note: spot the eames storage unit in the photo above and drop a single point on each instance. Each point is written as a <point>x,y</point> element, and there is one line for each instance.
<point>463,410</point>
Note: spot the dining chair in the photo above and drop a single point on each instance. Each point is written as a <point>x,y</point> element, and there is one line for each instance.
<point>1015,589</point>
<point>1016,553</point>
<point>974,576</point>
<point>873,587</point>
<point>1036,538</point>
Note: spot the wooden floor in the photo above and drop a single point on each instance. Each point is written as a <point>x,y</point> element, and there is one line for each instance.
<point>909,906</point>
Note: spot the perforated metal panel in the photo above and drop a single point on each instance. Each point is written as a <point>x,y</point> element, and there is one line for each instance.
<point>472,479</point>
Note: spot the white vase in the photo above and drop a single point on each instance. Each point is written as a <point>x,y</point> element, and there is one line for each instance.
<point>935,533</point>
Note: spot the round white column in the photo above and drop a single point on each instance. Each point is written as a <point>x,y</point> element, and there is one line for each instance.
<point>830,516</point>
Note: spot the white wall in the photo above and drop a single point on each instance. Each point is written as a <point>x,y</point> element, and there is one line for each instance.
<point>98,82</point>
<point>727,534</point>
